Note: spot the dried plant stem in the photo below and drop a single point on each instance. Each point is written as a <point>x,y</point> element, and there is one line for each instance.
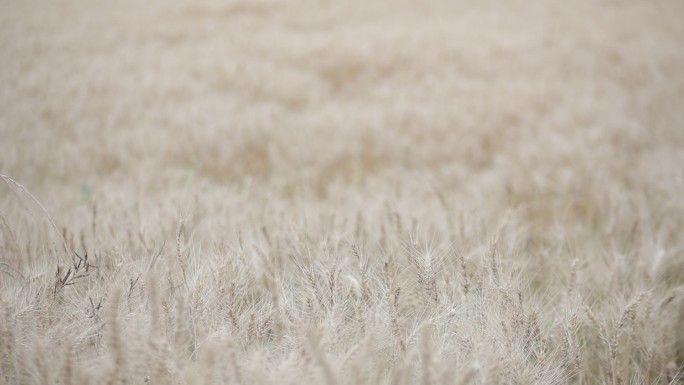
<point>12,183</point>
<point>114,339</point>
<point>181,260</point>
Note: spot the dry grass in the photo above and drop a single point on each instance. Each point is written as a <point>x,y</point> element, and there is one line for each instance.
<point>307,192</point>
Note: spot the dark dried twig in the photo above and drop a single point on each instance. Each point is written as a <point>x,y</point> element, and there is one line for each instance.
<point>79,269</point>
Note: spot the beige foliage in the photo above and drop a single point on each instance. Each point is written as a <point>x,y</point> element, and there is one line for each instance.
<point>341,192</point>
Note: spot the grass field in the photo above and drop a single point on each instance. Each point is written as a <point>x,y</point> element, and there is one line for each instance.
<point>341,192</point>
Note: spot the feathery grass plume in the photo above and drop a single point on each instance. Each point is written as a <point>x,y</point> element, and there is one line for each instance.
<point>115,341</point>
<point>464,273</point>
<point>7,345</point>
<point>312,280</point>
<point>393,309</point>
<point>363,298</point>
<point>333,279</point>
<point>179,253</point>
<point>363,275</point>
<point>679,337</point>
<point>155,305</point>
<point>427,265</point>
<point>492,262</point>
<point>620,328</point>
<point>570,352</point>
<point>155,357</point>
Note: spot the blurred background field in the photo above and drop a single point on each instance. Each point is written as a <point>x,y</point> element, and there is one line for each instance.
<point>523,104</point>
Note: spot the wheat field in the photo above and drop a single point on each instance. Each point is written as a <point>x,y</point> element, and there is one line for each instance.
<point>341,192</point>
